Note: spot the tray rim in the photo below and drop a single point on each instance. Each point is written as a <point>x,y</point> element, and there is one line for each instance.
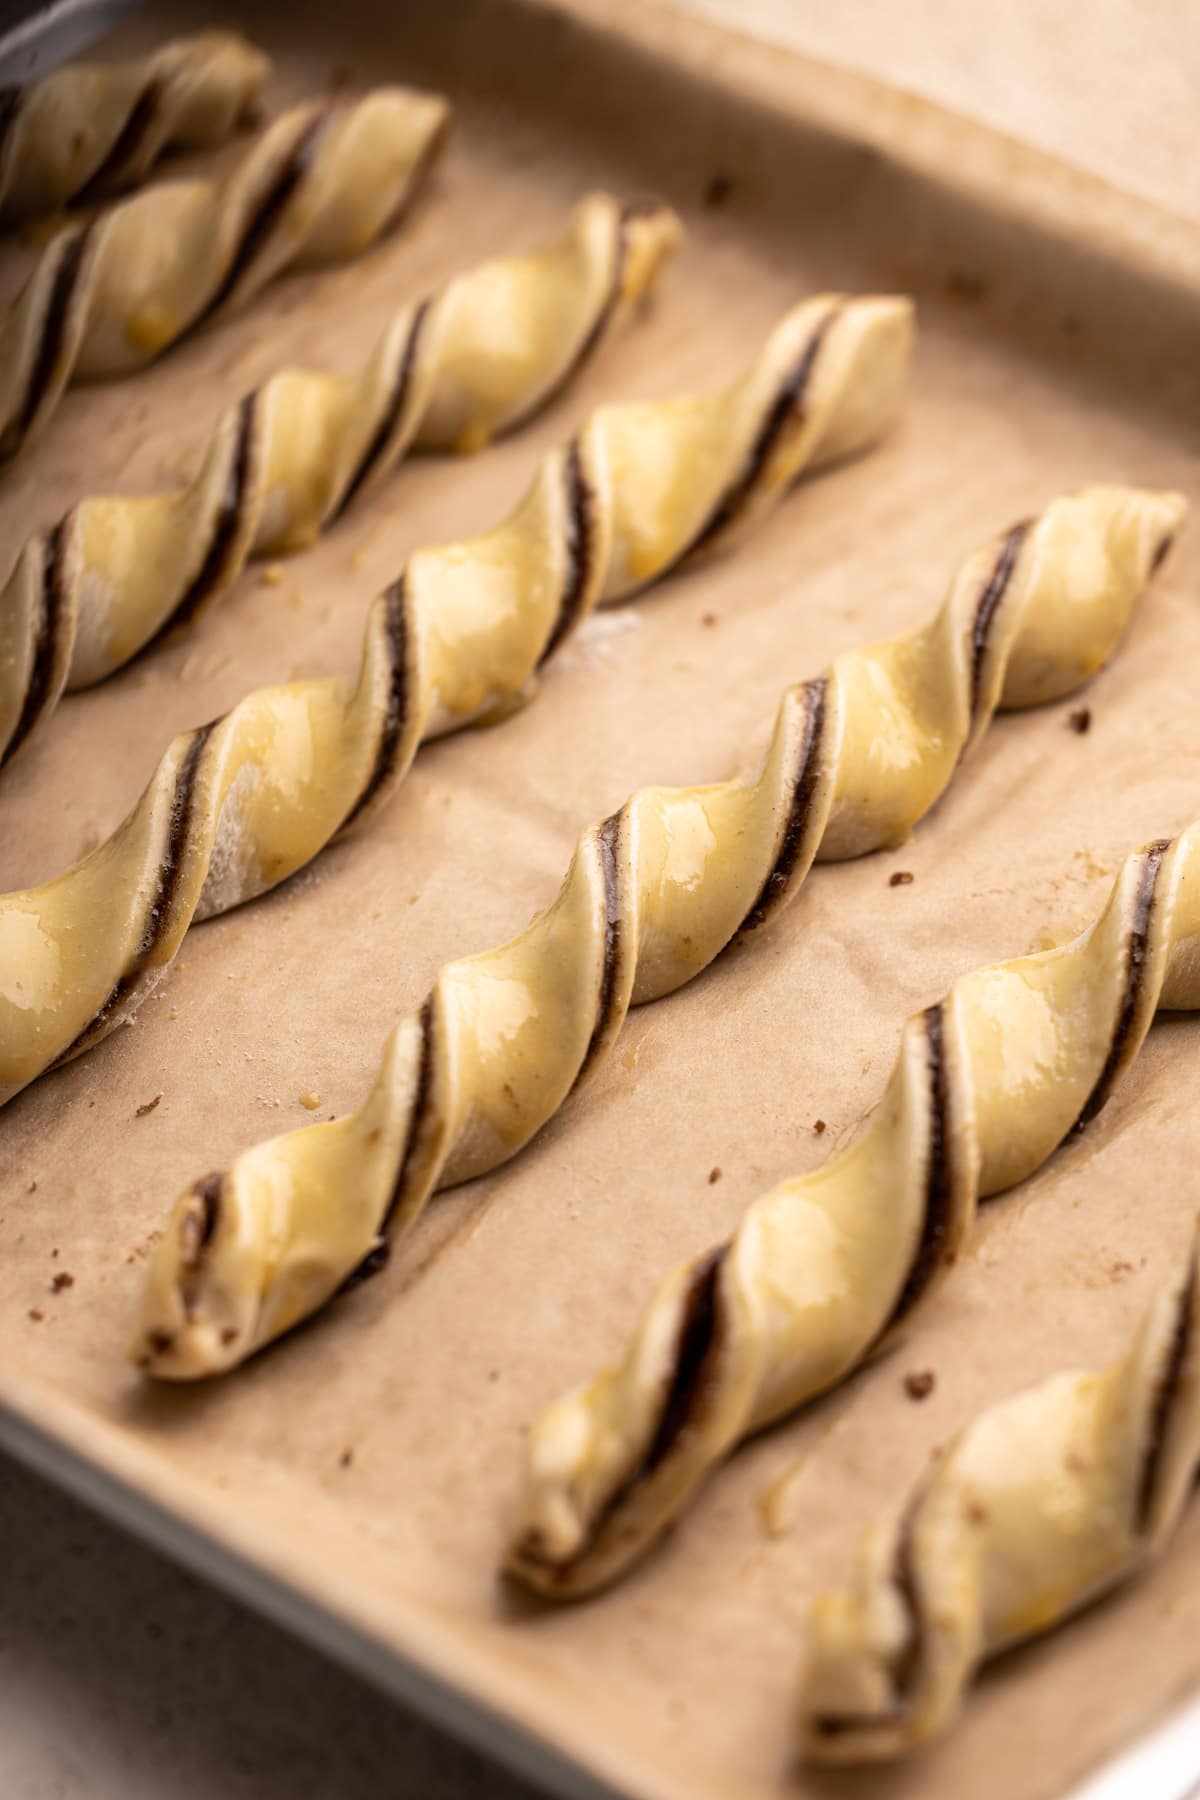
<point>61,1440</point>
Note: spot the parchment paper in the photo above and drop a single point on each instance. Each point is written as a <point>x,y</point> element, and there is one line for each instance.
<point>372,1459</point>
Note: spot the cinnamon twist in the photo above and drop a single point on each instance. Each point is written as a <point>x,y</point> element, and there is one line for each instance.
<point>237,807</point>
<point>652,896</point>
<point>1042,1504</point>
<point>109,296</point>
<point>94,127</point>
<point>826,1269</point>
<point>477,359</point>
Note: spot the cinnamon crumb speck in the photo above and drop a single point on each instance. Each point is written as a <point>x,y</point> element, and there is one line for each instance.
<point>61,1280</point>
<point>345,1459</point>
<point>147,1106</point>
<point>718,191</point>
<point>714,1175</point>
<point>901,878</point>
<point>819,1127</point>
<point>1080,720</point>
<point>32,1188</point>
<point>36,1314</point>
<point>919,1383</point>
<point>708,618</point>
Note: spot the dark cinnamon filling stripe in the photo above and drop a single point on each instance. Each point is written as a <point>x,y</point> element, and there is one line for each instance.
<point>392,411</point>
<point>216,567</point>
<point>938,1175</point>
<point>775,886</point>
<point>266,214</point>
<point>1168,1387</point>
<point>1135,957</point>
<point>125,147</point>
<point>989,604</point>
<point>581,549</point>
<point>789,406</point>
<point>607,843</point>
<point>46,642</point>
<point>396,636</point>
<point>416,1117</point>
<point>45,363</point>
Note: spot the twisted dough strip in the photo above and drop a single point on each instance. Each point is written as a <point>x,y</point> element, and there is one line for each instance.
<point>107,297</point>
<point>479,358</point>
<point>652,896</point>
<point>240,805</point>
<point>826,1268</point>
<point>1042,1504</point>
<point>92,127</point>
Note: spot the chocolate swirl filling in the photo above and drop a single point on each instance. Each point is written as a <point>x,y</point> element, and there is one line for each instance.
<point>47,640</point>
<point>788,409</point>
<point>267,213</point>
<point>396,634</point>
<point>67,277</point>
<point>416,1120</point>
<point>938,1177</point>
<point>580,546</point>
<point>1135,958</point>
<point>116,167</point>
<point>701,1335</point>
<point>1168,1386</point>
<point>158,917</point>
<point>10,105</point>
<point>995,588</point>
<point>608,840</point>
<point>774,889</point>
<point>392,411</point>
<point>230,516</point>
<point>906,1661</point>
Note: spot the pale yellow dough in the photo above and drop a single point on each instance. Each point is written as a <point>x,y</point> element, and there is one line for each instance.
<point>92,127</point>
<point>110,295</point>
<point>824,1269</point>
<point>243,803</point>
<point>1042,1504</point>
<point>476,360</point>
<point>652,896</point>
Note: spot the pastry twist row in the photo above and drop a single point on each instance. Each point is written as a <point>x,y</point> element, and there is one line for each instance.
<point>240,805</point>
<point>108,296</point>
<point>1042,1504</point>
<point>477,359</point>
<point>92,127</point>
<point>651,897</point>
<point>825,1269</point>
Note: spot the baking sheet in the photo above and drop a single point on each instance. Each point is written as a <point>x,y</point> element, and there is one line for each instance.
<point>1058,331</point>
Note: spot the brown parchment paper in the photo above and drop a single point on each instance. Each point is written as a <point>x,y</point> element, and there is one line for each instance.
<point>1058,331</point>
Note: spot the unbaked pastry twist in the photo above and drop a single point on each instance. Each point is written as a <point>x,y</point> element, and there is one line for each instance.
<point>109,296</point>
<point>477,359</point>
<point>827,1268</point>
<point>240,805</point>
<point>92,127</point>
<point>652,896</point>
<point>1042,1504</point>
